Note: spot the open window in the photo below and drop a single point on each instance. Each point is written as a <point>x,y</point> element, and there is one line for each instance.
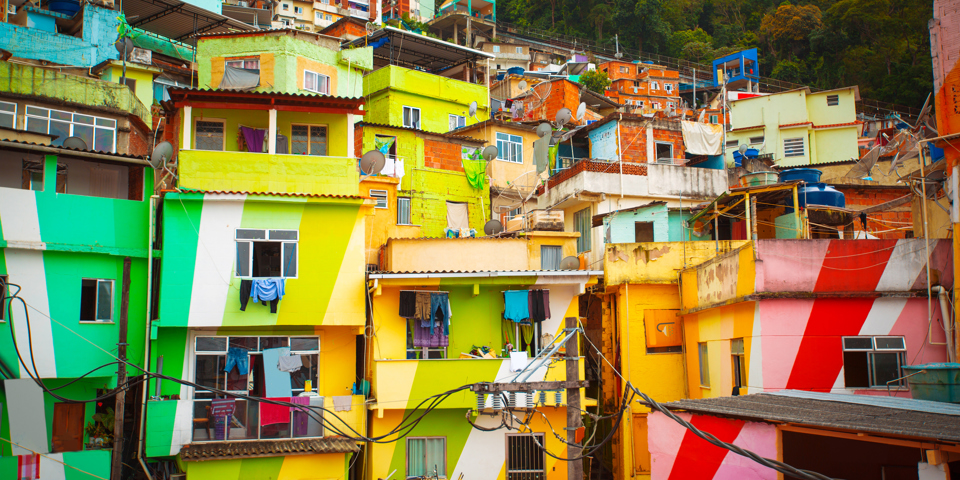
<point>739,364</point>
<point>96,300</point>
<point>873,361</point>
<point>267,253</point>
<point>252,366</point>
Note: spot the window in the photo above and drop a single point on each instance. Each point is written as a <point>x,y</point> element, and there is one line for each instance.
<point>793,147</point>
<point>756,140</point>
<point>664,151</point>
<point>739,363</point>
<point>318,14</point>
<point>733,143</point>
<point>714,118</point>
<point>509,148</point>
<point>458,216</point>
<point>96,300</point>
<point>833,100</point>
<point>381,196</point>
<point>582,222</point>
<point>496,49</point>
<point>624,70</point>
<point>210,135</point>
<point>525,459</point>
<point>67,427</point>
<point>238,364</point>
<point>267,253</point>
<point>704,364</point>
<point>519,49</point>
<point>411,117</point>
<point>403,211</point>
<point>427,457</point>
<point>873,361</point>
<point>131,84</point>
<point>99,133</point>
<point>244,63</point>
<point>286,22</point>
<point>668,87</point>
<point>298,10</point>
<point>656,105</point>
<point>643,232</point>
<point>328,17</point>
<point>671,105</point>
<point>8,115</point>
<point>286,7</point>
<point>308,139</point>
<point>550,256</point>
<point>316,82</point>
<point>457,121</point>
<point>654,85</point>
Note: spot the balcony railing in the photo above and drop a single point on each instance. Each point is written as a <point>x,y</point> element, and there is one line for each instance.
<point>251,420</point>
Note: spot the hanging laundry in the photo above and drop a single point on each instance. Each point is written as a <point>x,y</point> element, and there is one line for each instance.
<point>28,467</point>
<point>267,289</point>
<point>342,403</point>
<point>238,357</point>
<point>289,363</point>
<point>271,414</point>
<point>222,410</point>
<point>245,287</point>
<point>277,383</point>
<point>516,305</point>
<point>301,416</point>
<point>422,310</point>
<point>546,304</point>
<point>439,303</point>
<point>408,304</point>
<point>429,337</point>
<point>535,305</point>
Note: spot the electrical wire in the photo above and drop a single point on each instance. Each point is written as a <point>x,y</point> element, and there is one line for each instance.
<point>53,459</point>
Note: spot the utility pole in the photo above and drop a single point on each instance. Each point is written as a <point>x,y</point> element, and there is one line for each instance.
<point>574,420</point>
<point>121,396</point>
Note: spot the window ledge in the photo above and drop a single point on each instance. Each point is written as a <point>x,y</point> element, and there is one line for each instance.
<point>97,322</point>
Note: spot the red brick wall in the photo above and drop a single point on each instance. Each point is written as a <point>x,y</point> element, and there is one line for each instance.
<point>633,141</point>
<point>443,155</point>
<point>358,141</point>
<point>893,223</point>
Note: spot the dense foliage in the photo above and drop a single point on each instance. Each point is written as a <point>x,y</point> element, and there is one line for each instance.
<point>881,45</point>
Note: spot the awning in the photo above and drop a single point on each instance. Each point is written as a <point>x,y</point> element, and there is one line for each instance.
<point>398,47</point>
<point>178,20</point>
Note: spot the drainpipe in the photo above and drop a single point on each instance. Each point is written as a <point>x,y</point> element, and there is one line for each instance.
<point>146,344</point>
<point>947,316</point>
<point>620,156</point>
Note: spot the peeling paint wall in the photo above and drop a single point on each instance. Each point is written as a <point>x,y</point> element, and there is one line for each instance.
<point>658,262</point>
<point>94,46</point>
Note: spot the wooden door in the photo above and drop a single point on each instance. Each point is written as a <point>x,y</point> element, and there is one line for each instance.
<point>68,427</point>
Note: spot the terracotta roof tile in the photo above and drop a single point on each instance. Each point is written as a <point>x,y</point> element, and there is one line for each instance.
<point>266,448</point>
<point>278,194</point>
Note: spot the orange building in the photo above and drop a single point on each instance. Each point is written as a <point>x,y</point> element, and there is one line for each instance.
<point>642,87</point>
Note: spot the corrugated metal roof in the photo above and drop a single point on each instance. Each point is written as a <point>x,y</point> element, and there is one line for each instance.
<point>265,31</point>
<point>413,49</point>
<point>860,413</point>
<point>270,194</point>
<point>266,448</point>
<point>294,96</point>
<point>120,157</point>
<point>178,20</point>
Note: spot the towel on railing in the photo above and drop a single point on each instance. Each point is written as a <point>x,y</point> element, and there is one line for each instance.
<point>271,414</point>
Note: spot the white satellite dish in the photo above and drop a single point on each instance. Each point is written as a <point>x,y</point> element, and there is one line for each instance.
<point>544,129</point>
<point>563,116</point>
<point>522,85</point>
<point>473,109</point>
<point>742,149</point>
<point>581,111</point>
<point>75,143</point>
<point>490,152</point>
<point>570,263</point>
<point>372,162</point>
<point>162,154</point>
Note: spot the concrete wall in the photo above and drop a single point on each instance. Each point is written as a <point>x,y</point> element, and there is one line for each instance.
<point>658,263</point>
<point>95,45</point>
<point>693,182</point>
<point>382,224</point>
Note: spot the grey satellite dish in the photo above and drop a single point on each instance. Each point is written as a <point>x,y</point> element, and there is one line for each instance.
<point>75,142</point>
<point>124,46</point>
<point>570,263</point>
<point>563,116</point>
<point>372,162</point>
<point>492,227</point>
<point>522,85</point>
<point>162,154</point>
<point>473,109</point>
<point>581,111</point>
<point>743,149</point>
<point>490,152</point>
<point>544,129</point>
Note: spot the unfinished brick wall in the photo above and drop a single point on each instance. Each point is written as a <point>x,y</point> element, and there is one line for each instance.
<point>893,223</point>
<point>633,139</point>
<point>442,155</point>
<point>358,141</point>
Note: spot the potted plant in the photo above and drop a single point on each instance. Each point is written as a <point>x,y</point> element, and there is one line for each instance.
<point>100,430</point>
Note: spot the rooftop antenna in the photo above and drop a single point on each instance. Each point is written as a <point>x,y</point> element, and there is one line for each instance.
<point>616,38</point>
<point>372,162</point>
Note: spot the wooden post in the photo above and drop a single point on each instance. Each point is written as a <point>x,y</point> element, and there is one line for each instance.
<point>121,373</point>
<point>574,420</point>
<point>746,214</point>
<point>753,224</point>
<point>796,212</point>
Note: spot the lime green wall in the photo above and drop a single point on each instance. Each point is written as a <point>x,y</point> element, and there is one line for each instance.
<point>390,88</point>
<point>144,79</point>
<point>439,423</point>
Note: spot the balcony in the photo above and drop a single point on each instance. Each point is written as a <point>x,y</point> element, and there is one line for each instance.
<point>263,172</point>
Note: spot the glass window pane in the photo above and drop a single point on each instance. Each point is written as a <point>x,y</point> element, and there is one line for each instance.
<point>61,115</point>
<point>6,120</point>
<point>310,79</point>
<point>307,372</point>
<point>289,259</point>
<point>283,234</point>
<point>243,259</point>
<point>105,300</point>
<point>210,372</point>
<point>318,140</point>
<point>304,344</point>
<point>300,140</point>
<point>106,122</point>
<point>84,119</point>
<point>8,107</point>
<point>251,233</point>
<point>61,130</point>
<point>886,367</point>
<point>249,343</point>
<point>736,346</point>
<point>85,132</point>
<point>42,112</point>
<point>273,342</point>
<point>211,344</point>
<point>890,343</point>
<point>858,343</point>
<point>209,136</point>
<point>103,141</point>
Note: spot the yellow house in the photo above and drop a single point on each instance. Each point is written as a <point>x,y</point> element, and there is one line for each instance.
<point>139,77</point>
<point>798,127</point>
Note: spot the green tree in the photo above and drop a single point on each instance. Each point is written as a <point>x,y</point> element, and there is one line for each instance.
<point>787,30</point>
<point>595,80</point>
<point>601,13</point>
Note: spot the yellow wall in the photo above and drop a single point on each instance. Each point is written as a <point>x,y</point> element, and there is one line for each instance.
<point>658,262</point>
<point>716,327</point>
<point>721,280</point>
<point>382,224</point>
<point>304,63</point>
<point>144,78</point>
<point>475,254</point>
<point>336,125</point>
<point>537,239</point>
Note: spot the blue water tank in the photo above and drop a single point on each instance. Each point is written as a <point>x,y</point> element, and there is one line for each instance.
<point>821,194</point>
<point>809,175</point>
<point>515,71</point>
<point>738,157</point>
<point>66,7</point>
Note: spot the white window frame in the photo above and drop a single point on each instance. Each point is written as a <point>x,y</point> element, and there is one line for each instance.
<point>441,472</point>
<point>668,87</point>
<point>13,113</point>
<point>96,308</point>
<point>196,132</point>
<point>714,118</point>
<point>457,121</point>
<point>520,50</point>
<point>31,112</point>
<point>285,7</point>
<point>658,143</point>
<point>409,219</point>
<point>654,85</point>
<point>795,147</point>
<point>326,83</point>
<point>496,49</point>
<point>413,124</point>
<point>382,197</point>
<point>298,10</point>
<point>243,62</point>
<point>874,348</point>
<point>267,238</point>
<point>624,69</point>
<point>509,147</point>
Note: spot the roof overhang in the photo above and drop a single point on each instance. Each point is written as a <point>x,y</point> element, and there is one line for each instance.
<point>178,20</point>
<point>235,100</point>
<point>418,51</point>
<point>490,274</point>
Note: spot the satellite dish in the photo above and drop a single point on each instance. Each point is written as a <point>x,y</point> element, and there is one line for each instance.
<point>75,142</point>
<point>473,109</point>
<point>372,162</point>
<point>570,263</point>
<point>492,227</point>
<point>581,111</point>
<point>124,46</point>
<point>563,116</point>
<point>742,149</point>
<point>522,85</point>
<point>162,153</point>
<point>544,129</point>
<point>490,152</point>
